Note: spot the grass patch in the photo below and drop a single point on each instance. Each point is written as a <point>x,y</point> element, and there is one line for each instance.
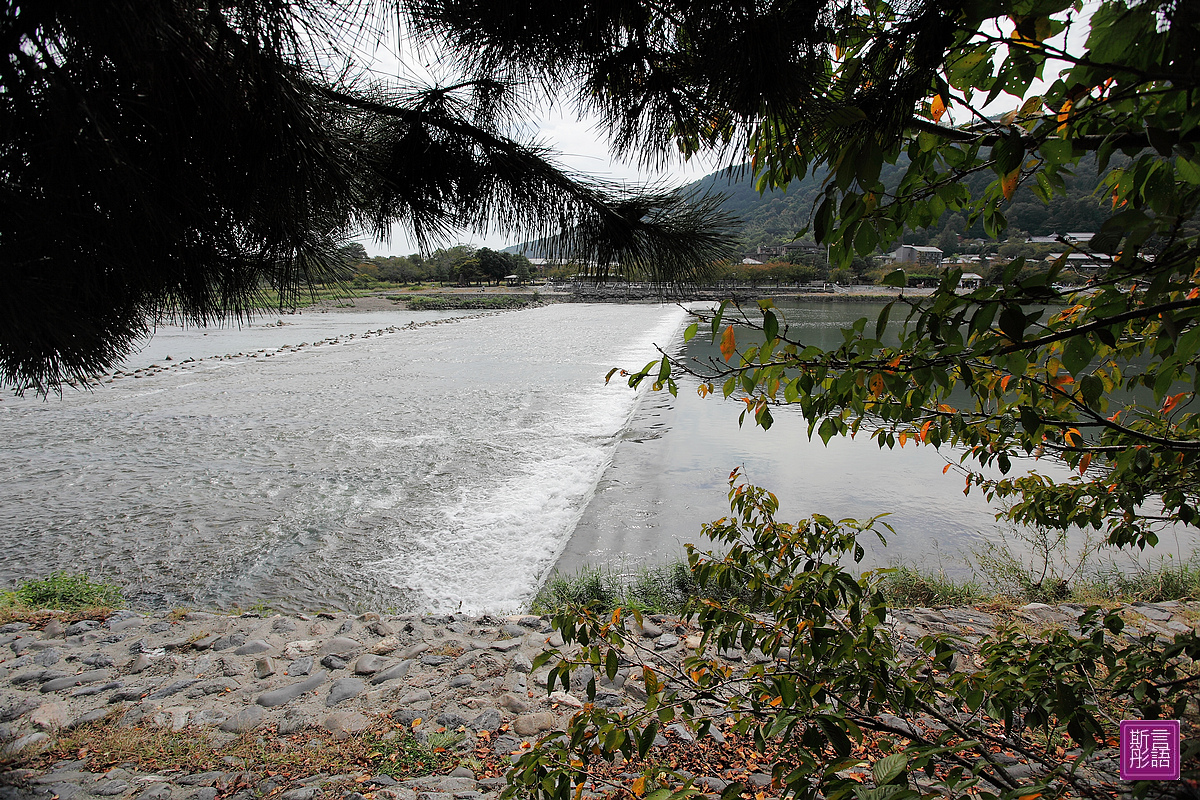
<point>1161,582</point>
<point>667,588</point>
<point>908,586</point>
<point>393,751</point>
<point>455,302</point>
<point>64,591</point>
<point>269,300</point>
<point>652,589</point>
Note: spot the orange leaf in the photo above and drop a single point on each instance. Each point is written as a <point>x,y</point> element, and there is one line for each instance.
<point>903,437</point>
<point>1064,114</point>
<point>1031,796</point>
<point>776,701</point>
<point>946,468</point>
<point>727,343</point>
<point>1194,293</point>
<point>1004,382</point>
<point>1008,184</point>
<point>1172,401</point>
<point>937,107</point>
<point>1084,462</point>
<point>876,384</point>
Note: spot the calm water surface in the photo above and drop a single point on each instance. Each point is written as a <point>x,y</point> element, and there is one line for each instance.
<point>670,475</point>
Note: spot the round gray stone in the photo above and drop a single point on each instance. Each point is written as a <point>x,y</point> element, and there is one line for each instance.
<point>286,694</point>
<point>343,690</point>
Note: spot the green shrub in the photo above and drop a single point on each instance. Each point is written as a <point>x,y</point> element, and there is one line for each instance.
<point>823,671</point>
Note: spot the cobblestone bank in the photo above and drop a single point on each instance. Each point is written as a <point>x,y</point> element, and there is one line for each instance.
<point>219,677</point>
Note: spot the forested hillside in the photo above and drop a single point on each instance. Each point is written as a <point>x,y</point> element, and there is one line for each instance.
<point>776,217</point>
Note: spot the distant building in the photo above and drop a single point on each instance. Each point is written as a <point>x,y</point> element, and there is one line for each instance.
<point>1052,239</point>
<point>1078,238</point>
<point>970,280</point>
<point>915,254</point>
<point>1084,262</point>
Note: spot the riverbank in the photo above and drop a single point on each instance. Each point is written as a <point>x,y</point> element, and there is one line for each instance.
<point>192,705</point>
<point>473,297</point>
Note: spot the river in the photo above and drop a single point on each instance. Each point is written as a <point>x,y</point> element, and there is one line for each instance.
<point>447,464</point>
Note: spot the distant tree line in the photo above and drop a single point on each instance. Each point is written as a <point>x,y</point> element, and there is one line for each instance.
<point>460,265</point>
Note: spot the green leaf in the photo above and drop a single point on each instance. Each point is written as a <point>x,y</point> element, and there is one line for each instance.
<point>836,736</point>
<point>716,320</point>
<point>1056,151</point>
<point>1091,388</point>
<point>827,430</point>
<point>1188,170</point>
<point>1077,355</point>
<point>869,164</point>
<point>1030,420</point>
<point>689,333</point>
<point>895,278</point>
<point>888,768</point>
<point>1012,323</point>
<point>881,323</point>
<point>1008,153</point>
<point>770,325</point>
<point>865,239</point>
<point>645,739</point>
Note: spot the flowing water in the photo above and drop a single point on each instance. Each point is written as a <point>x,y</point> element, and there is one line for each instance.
<point>437,467</point>
<point>355,460</point>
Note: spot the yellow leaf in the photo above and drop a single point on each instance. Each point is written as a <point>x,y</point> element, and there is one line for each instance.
<point>1009,184</point>
<point>937,107</point>
<point>1064,114</point>
<point>639,786</point>
<point>727,343</point>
